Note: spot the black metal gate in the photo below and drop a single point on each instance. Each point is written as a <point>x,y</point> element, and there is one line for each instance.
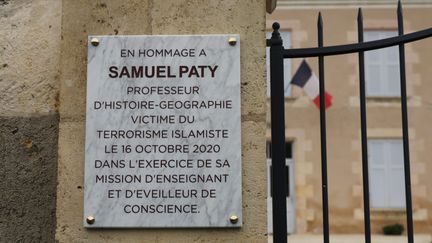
<point>277,55</point>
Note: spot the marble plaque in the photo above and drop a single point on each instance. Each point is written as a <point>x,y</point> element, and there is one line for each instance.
<point>163,132</point>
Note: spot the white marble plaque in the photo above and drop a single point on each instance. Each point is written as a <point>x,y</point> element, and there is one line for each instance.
<point>163,132</point>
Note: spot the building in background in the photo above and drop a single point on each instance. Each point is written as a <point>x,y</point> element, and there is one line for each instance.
<point>298,20</point>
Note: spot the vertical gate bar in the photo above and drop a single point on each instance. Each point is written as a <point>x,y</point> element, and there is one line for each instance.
<point>405,129</point>
<point>277,100</point>
<point>363,122</point>
<point>323,135</point>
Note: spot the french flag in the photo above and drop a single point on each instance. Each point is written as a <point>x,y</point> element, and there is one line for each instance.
<point>306,79</point>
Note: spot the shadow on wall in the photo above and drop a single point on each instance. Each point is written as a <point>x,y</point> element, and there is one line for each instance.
<point>28,172</point>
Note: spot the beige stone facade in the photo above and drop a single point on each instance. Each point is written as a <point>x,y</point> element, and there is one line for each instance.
<point>343,118</point>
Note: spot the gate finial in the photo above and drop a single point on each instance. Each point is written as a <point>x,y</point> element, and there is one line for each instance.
<point>400,18</point>
<point>360,25</point>
<point>276,26</point>
<point>360,15</point>
<point>320,21</point>
<point>399,8</point>
<point>276,38</point>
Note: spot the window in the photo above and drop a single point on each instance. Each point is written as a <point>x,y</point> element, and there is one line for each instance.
<point>288,157</point>
<point>286,38</point>
<point>386,172</point>
<point>382,67</point>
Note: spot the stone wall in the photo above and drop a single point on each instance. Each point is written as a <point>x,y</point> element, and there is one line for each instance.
<point>29,86</point>
<point>137,17</point>
<point>42,84</point>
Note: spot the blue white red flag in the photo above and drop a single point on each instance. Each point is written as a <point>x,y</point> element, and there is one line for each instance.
<point>306,79</point>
